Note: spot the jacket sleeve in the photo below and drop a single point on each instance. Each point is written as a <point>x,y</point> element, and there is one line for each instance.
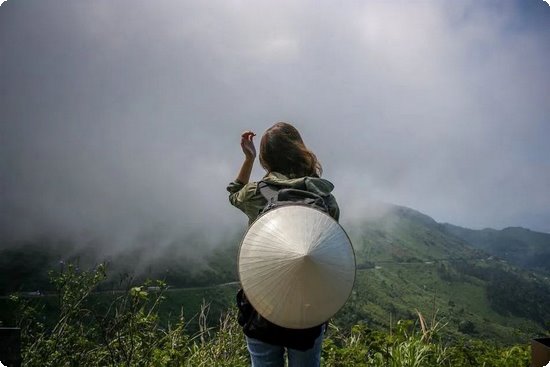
<point>246,198</point>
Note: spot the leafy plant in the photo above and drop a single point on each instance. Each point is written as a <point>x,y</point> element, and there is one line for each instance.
<point>126,331</point>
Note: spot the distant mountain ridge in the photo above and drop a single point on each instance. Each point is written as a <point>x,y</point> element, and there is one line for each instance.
<point>401,234</point>
<point>407,261</point>
<point>519,246</point>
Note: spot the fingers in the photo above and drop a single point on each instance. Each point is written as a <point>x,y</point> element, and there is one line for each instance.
<point>248,135</point>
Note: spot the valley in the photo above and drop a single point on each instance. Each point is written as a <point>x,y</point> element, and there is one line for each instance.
<point>406,262</point>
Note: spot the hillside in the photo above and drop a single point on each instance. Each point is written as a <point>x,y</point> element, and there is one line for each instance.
<point>402,235</point>
<point>406,261</point>
<point>519,246</point>
<point>409,261</point>
<point>127,330</point>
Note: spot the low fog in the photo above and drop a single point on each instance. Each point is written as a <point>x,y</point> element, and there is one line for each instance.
<point>122,119</point>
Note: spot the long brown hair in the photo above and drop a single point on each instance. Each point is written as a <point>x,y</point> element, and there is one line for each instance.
<point>283,150</point>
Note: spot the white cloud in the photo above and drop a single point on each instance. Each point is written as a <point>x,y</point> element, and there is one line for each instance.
<point>121,116</point>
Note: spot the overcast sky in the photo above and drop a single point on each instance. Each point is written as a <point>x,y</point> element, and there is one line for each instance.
<point>121,117</point>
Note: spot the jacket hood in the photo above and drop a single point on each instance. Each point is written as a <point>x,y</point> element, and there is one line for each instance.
<point>317,185</point>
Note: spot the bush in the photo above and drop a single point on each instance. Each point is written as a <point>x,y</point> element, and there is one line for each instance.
<point>125,331</point>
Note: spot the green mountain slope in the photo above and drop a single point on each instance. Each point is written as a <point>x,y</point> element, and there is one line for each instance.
<point>519,246</point>
<point>408,261</point>
<point>399,234</point>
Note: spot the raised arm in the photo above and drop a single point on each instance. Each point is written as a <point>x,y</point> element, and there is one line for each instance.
<point>249,150</point>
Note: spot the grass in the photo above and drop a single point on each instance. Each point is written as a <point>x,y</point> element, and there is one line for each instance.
<point>391,292</point>
<point>381,296</point>
<point>129,333</point>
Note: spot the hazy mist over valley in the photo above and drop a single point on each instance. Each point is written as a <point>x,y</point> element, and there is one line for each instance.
<point>120,121</point>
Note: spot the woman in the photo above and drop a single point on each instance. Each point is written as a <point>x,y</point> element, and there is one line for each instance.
<point>289,164</point>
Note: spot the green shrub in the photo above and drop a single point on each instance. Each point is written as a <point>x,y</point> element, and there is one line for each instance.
<point>124,330</point>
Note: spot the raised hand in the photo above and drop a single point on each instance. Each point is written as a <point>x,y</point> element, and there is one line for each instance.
<point>247,144</point>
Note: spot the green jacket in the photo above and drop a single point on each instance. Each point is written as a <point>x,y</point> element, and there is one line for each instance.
<point>248,198</point>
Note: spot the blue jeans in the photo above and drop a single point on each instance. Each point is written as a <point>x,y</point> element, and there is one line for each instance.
<point>269,355</point>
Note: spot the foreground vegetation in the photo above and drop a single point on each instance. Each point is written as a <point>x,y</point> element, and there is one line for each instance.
<point>127,331</point>
<point>405,260</point>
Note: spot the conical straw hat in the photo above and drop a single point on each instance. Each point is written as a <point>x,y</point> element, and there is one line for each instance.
<point>296,266</point>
